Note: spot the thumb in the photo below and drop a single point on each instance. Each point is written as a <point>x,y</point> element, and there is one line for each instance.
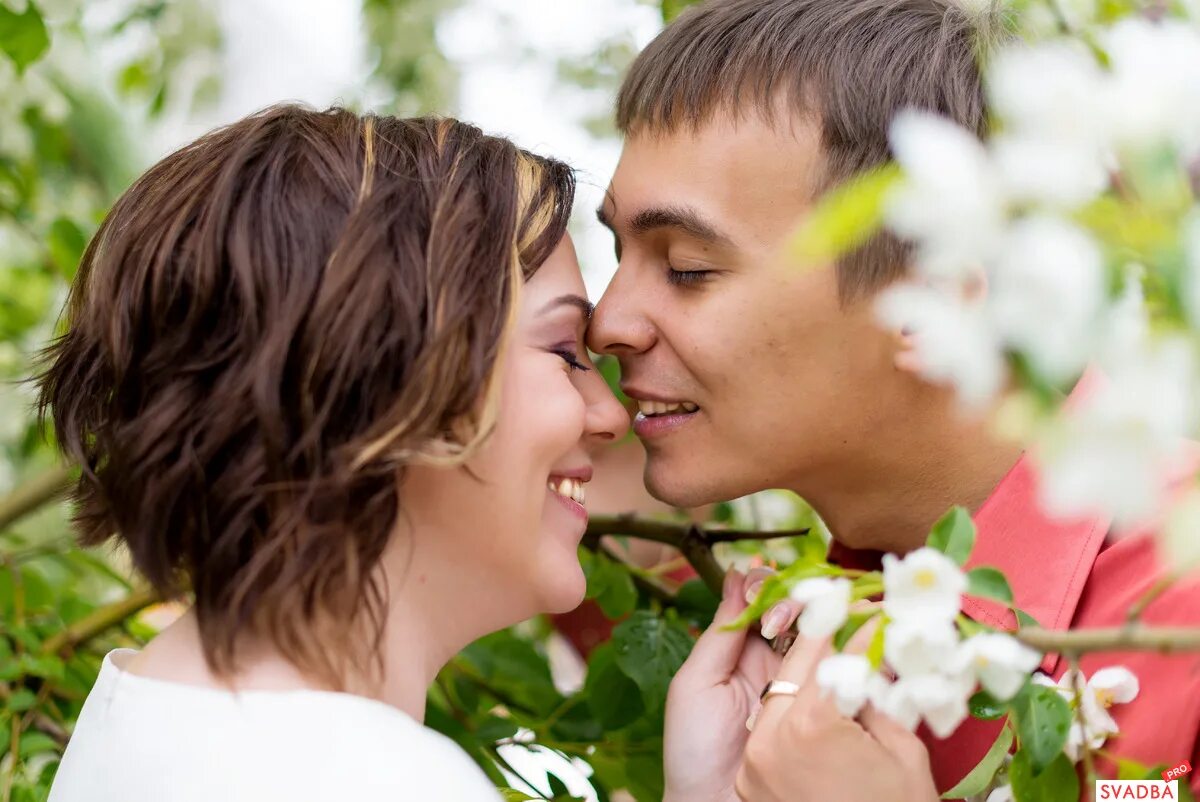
<point>716,653</point>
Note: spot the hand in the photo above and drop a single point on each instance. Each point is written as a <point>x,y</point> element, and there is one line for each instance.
<point>803,750</point>
<point>714,693</point>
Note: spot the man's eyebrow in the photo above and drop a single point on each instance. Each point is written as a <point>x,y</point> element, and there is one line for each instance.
<point>689,221</point>
<point>569,300</point>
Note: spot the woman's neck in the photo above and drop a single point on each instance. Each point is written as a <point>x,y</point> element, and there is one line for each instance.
<point>428,620</point>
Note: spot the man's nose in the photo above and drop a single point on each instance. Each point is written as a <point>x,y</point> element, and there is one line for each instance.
<point>620,325</point>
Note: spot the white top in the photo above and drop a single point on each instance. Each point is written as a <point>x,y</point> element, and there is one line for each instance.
<point>146,740</point>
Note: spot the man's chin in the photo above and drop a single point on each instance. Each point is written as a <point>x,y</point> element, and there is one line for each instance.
<point>679,489</point>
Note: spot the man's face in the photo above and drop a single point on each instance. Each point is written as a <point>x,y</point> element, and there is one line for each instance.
<point>749,371</point>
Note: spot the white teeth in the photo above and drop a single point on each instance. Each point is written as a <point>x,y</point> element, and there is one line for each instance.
<point>570,488</point>
<point>649,408</point>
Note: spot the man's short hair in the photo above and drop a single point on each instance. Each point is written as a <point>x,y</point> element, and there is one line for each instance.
<point>849,65</point>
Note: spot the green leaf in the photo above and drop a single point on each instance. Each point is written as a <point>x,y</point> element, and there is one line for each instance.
<point>980,777</point>
<point>512,666</point>
<point>66,243</point>
<point>986,707</point>
<point>1056,783</point>
<point>513,795</point>
<point>875,648</point>
<point>954,535</point>
<point>45,666</point>
<point>989,583</point>
<point>854,623</point>
<point>23,37</point>
<point>845,217</point>
<point>1043,719</point>
<point>608,584</point>
<point>697,603</point>
<point>33,743</point>
<point>495,729</point>
<point>21,700</point>
<point>1024,619</point>
<point>614,699</point>
<point>650,649</point>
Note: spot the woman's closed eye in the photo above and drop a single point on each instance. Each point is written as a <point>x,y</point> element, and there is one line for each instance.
<point>571,358</point>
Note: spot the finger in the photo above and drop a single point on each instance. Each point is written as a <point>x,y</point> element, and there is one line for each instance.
<point>799,668</point>
<point>898,740</point>
<point>860,641</point>
<point>780,618</point>
<point>718,650</point>
<point>753,582</point>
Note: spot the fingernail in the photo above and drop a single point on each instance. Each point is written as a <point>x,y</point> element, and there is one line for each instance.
<point>773,622</point>
<point>732,578</point>
<point>752,591</point>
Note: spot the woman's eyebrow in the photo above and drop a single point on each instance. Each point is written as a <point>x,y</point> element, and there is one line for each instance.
<point>570,300</point>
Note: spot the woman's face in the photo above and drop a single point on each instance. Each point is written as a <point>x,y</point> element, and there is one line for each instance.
<point>514,532</point>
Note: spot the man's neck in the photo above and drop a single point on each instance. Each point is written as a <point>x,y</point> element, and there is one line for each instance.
<point>888,495</point>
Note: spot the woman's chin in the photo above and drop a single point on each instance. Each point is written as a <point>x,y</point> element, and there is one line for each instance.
<point>563,590</point>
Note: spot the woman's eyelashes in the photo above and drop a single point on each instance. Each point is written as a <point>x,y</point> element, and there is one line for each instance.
<point>571,358</point>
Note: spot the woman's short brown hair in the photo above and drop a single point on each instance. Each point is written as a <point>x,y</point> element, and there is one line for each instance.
<point>272,323</point>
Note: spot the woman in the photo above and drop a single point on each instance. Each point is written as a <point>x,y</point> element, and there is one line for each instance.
<point>327,373</point>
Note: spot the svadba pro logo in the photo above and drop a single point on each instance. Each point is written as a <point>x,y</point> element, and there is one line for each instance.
<point>1137,789</point>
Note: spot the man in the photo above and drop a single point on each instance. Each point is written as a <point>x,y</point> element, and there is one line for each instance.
<point>754,373</point>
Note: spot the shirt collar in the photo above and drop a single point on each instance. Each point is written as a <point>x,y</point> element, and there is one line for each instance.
<point>1047,560</point>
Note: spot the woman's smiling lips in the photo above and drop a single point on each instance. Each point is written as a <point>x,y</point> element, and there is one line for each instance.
<point>566,486</point>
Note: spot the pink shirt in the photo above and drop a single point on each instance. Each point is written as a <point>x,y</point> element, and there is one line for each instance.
<point>1073,574</point>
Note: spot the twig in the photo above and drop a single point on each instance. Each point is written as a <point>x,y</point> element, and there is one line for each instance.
<point>648,584</point>
<point>100,620</point>
<point>1130,638</point>
<point>33,494</point>
<point>674,533</point>
<point>1089,764</point>
<point>1144,601</point>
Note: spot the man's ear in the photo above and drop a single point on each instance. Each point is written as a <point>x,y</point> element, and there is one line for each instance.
<point>973,288</point>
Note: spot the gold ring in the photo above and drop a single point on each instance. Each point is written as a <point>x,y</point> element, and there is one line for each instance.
<point>778,687</point>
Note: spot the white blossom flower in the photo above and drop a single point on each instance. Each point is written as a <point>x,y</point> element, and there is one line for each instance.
<point>1092,698</point>
<point>1155,87</point>
<point>1191,278</point>
<point>1043,171</point>
<point>914,646</point>
<point>1046,292</point>
<point>950,201</point>
<point>1000,661</point>
<point>924,585</point>
<point>1110,454</point>
<point>826,603</point>
<point>848,679</point>
<point>1002,794</point>
<point>1181,534</point>
<point>939,699</point>
<point>954,343</point>
<point>1051,99</point>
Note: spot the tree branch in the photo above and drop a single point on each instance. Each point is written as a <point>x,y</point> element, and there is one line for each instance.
<point>1132,638</point>
<point>100,620</point>
<point>33,494</point>
<point>693,541</point>
<point>673,533</point>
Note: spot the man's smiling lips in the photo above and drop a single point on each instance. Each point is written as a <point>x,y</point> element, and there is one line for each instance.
<point>658,414</point>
